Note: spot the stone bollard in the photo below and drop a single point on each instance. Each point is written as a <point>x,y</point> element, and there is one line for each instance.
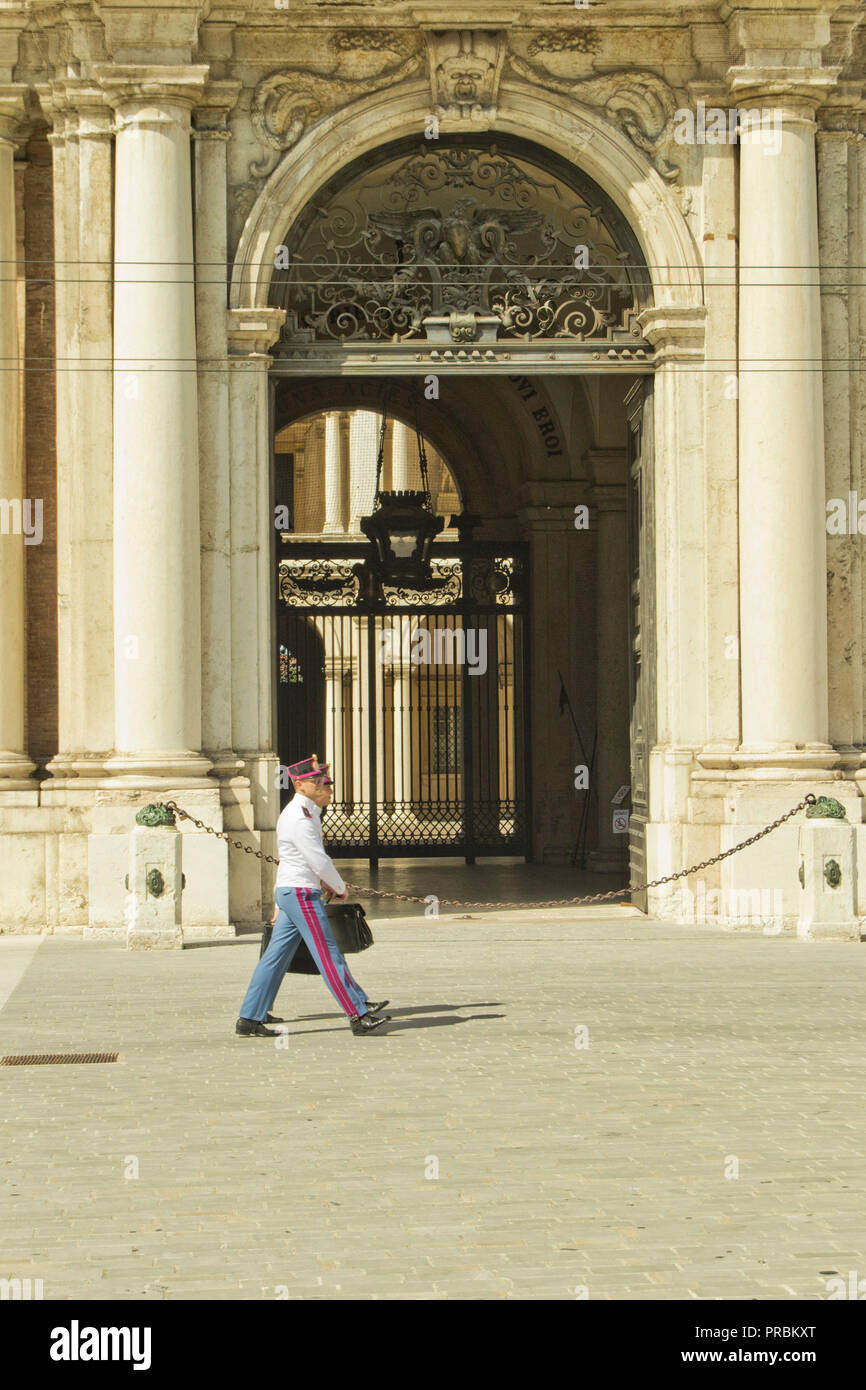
<point>827,873</point>
<point>155,882</point>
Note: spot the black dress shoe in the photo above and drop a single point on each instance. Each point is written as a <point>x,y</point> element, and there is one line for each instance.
<point>374,1008</point>
<point>367,1024</point>
<point>272,1018</point>
<point>250,1028</point>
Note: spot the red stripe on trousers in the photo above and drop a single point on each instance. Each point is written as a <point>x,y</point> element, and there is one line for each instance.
<point>333,978</point>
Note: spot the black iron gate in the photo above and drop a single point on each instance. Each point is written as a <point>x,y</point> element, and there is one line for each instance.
<point>418,699</point>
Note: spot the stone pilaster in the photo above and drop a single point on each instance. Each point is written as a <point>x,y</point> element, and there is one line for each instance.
<point>608,468</point>
<point>15,509</point>
<point>250,332</point>
<point>562,563</point>
<point>210,138</point>
<point>675,653</point>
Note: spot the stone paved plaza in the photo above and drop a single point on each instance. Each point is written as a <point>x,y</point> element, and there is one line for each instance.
<point>307,1170</point>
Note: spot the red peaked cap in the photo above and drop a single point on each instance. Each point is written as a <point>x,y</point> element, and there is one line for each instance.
<point>310,768</point>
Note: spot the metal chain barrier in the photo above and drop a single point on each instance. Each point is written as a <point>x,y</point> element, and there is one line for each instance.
<point>808,800</point>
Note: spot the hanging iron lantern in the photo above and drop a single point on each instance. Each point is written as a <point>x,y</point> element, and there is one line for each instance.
<point>402,527</point>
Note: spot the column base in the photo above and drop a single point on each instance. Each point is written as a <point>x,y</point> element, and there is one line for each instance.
<point>78,767</point>
<point>775,762</point>
<point>15,772</point>
<point>158,769</point>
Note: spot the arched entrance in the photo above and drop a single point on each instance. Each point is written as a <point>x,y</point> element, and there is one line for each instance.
<point>428,299</point>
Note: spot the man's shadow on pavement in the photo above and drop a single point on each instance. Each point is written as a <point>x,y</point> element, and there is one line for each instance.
<point>418,1009</point>
<point>402,1019</point>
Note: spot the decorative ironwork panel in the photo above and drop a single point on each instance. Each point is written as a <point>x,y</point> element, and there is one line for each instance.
<point>461,243</point>
<point>446,588</point>
<point>328,582</point>
<point>416,698</point>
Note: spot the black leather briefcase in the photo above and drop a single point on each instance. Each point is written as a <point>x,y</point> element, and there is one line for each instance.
<point>351,932</point>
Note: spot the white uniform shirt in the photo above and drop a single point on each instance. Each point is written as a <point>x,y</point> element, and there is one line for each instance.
<point>303,861</point>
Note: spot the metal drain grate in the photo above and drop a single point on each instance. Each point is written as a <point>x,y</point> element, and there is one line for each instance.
<point>53,1059</point>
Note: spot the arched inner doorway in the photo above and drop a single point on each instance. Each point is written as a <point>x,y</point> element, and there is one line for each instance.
<point>417,694</point>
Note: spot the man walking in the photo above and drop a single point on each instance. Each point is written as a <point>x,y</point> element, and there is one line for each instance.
<point>303,871</point>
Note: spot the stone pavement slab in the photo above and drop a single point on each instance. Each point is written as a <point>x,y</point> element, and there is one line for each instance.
<point>703,1140</point>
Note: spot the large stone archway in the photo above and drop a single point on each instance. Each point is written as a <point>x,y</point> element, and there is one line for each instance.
<point>546,119</point>
<point>672,327</point>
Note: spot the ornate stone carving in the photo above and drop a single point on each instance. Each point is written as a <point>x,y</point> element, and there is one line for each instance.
<point>565,41</point>
<point>465,67</point>
<point>459,244</point>
<point>287,101</point>
<point>641,104</point>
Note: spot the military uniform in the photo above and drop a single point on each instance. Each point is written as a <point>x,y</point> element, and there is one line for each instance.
<point>304,863</point>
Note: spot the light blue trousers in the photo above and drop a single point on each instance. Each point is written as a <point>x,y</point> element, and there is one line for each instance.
<point>301,915</point>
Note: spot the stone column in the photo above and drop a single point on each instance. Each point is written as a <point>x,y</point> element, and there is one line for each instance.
<point>335,474</point>
<point>842,240</point>
<point>83,247</point>
<point>210,138</point>
<point>157,563</point>
<point>15,766</point>
<point>783,586</point>
<point>363,444</point>
<point>399,456</point>
<point>608,468</point>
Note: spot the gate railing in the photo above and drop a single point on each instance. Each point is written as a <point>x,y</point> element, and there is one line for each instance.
<point>426,733</point>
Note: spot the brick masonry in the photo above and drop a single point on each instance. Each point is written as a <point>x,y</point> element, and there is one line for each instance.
<point>40,449</point>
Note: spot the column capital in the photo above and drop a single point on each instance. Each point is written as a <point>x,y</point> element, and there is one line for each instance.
<point>606,468</point>
<point>844,113</point>
<point>675,331</point>
<point>212,111</point>
<point>77,109</point>
<point>797,89</point>
<point>131,85</point>
<point>13,109</point>
<point>251,332</point>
